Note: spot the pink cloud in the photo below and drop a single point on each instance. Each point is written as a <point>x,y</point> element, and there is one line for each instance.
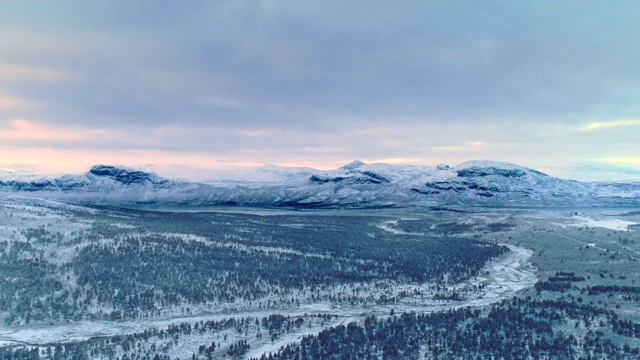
<point>13,103</point>
<point>22,129</point>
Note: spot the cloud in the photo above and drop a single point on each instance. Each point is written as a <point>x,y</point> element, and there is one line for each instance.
<point>253,63</point>
<point>611,124</point>
<point>322,82</point>
<point>21,129</point>
<point>20,72</point>
<point>14,103</point>
<point>468,147</point>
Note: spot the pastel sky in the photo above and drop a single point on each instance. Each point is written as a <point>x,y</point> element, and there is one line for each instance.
<point>317,83</point>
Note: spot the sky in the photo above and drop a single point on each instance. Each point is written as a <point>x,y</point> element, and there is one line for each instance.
<point>215,84</point>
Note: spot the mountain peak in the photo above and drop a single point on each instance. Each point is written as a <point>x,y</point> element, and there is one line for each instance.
<point>356,185</point>
<point>105,170</point>
<point>119,174</point>
<point>353,165</point>
<point>489,164</point>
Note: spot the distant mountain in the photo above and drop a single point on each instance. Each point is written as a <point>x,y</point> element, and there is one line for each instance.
<point>594,171</point>
<point>355,185</point>
<point>102,183</point>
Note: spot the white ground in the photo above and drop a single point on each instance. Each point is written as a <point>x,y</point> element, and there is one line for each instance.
<point>611,224</point>
<point>502,278</point>
<point>499,279</point>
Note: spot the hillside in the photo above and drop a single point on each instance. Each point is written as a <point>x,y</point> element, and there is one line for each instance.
<point>355,185</point>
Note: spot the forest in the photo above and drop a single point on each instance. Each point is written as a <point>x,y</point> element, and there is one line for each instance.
<point>134,264</point>
<point>107,283</point>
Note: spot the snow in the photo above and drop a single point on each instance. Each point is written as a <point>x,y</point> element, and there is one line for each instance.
<point>594,171</point>
<point>611,224</point>
<point>353,165</point>
<point>490,164</point>
<point>388,227</point>
<point>500,279</point>
<point>350,185</point>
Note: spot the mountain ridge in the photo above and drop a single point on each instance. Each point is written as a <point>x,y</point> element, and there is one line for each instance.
<point>354,185</point>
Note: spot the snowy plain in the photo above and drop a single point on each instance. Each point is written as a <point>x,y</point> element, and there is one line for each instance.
<point>499,279</point>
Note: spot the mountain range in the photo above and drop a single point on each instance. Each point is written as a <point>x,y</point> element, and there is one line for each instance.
<point>354,185</point>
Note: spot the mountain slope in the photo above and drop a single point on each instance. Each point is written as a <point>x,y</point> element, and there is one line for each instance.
<point>355,185</point>
<point>101,183</point>
<point>594,171</point>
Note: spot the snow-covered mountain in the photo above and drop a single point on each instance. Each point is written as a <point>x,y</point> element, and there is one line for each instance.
<point>101,183</point>
<point>594,171</point>
<point>355,185</point>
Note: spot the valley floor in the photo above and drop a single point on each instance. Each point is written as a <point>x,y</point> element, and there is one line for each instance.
<point>501,279</point>
<point>585,260</point>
